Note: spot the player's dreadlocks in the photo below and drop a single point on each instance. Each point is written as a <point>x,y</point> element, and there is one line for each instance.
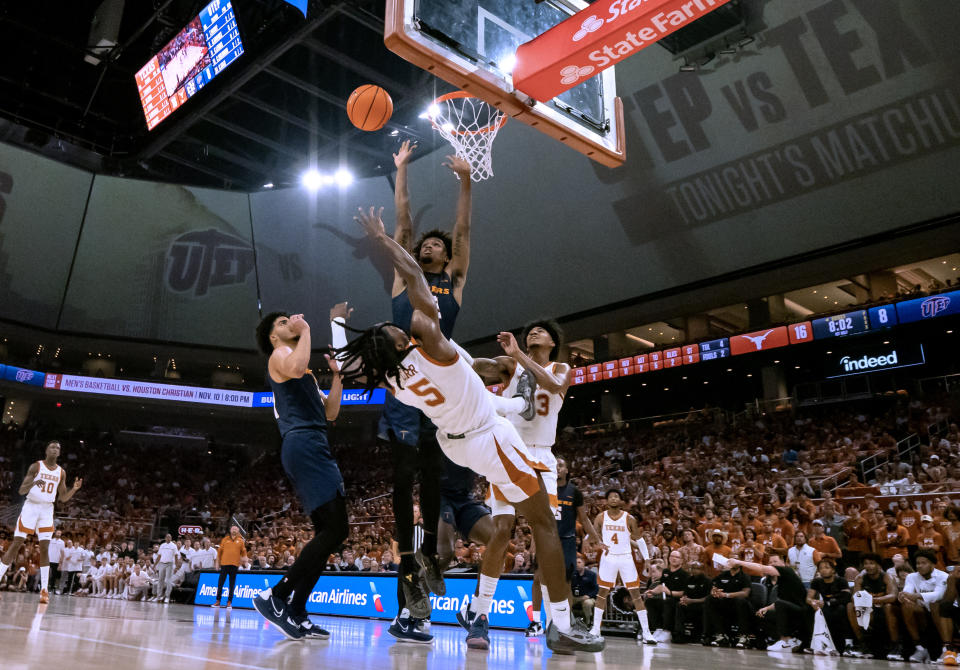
<point>372,358</point>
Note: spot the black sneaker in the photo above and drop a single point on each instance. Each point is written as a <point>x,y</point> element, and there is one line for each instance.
<point>276,612</point>
<point>743,642</point>
<point>311,630</point>
<point>719,640</point>
<point>465,616</point>
<point>526,387</point>
<point>534,629</point>
<point>479,635</point>
<point>578,639</point>
<point>418,601</point>
<point>896,653</point>
<point>432,574</point>
<point>405,630</point>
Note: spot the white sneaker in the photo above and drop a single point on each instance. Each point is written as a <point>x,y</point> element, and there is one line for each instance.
<point>782,645</point>
<point>920,655</point>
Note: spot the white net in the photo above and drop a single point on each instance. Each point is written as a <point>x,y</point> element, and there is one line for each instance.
<point>470,125</point>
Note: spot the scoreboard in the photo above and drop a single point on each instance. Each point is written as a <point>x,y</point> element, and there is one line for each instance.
<point>840,325</point>
<point>189,61</point>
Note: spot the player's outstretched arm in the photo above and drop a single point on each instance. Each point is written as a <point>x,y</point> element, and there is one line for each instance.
<point>331,404</point>
<point>28,481</point>
<point>588,526</point>
<point>460,260</point>
<point>403,234</point>
<point>494,370</point>
<point>406,267</point>
<point>553,382</point>
<point>755,568</point>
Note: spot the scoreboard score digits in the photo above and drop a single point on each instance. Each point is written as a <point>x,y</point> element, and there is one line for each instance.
<point>841,325</point>
<point>189,61</point>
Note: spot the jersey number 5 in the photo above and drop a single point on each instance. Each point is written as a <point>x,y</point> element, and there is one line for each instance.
<point>432,395</point>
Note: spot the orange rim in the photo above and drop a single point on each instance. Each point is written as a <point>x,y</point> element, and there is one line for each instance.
<point>463,94</point>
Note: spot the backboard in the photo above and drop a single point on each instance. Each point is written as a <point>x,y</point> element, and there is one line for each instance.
<point>471,44</point>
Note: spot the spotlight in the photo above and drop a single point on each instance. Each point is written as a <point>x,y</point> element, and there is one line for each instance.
<point>507,63</point>
<point>343,178</point>
<point>312,180</point>
<point>269,184</point>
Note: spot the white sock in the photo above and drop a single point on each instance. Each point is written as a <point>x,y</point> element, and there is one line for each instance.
<point>561,615</point>
<point>644,623</point>
<point>546,599</point>
<point>3,569</point>
<point>505,406</point>
<point>536,616</point>
<point>487,588</point>
<point>597,619</point>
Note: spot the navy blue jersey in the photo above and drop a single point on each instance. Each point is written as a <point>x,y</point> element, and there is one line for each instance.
<point>298,404</point>
<point>569,498</point>
<point>441,286</point>
<point>400,422</point>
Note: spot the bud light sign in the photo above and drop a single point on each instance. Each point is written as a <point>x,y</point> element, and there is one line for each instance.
<point>374,596</point>
<point>920,309</point>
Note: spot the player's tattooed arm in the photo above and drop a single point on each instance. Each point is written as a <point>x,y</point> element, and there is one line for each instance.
<point>460,260</point>
<point>494,370</point>
<point>28,481</point>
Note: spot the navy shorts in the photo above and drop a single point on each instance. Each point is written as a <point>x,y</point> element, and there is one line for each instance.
<point>402,423</point>
<point>462,514</point>
<point>311,468</point>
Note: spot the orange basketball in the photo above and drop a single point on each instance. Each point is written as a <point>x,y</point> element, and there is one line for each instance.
<point>369,107</point>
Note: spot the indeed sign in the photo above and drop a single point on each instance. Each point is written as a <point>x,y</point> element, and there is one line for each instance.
<point>869,362</point>
<point>862,361</point>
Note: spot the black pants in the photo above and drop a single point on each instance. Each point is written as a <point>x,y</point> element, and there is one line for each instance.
<point>689,623</point>
<point>330,530</point>
<point>407,462</point>
<point>231,572</point>
<point>662,612</point>
<point>721,613</point>
<point>54,575</point>
<point>837,623</point>
<point>794,620</point>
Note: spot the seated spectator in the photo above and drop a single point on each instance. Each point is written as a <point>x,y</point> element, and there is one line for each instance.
<point>728,609</point>
<point>891,537</point>
<point>830,594</point>
<point>823,543</point>
<point>792,614</point>
<point>690,608</point>
<point>138,584</point>
<point>803,558</point>
<point>871,611</point>
<point>922,591</point>
<point>584,588</point>
<point>661,601</point>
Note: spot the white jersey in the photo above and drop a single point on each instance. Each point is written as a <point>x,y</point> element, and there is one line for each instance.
<point>451,394</point>
<point>541,431</point>
<point>616,534</point>
<point>47,493</point>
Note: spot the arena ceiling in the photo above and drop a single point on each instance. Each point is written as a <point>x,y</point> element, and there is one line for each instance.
<point>277,111</point>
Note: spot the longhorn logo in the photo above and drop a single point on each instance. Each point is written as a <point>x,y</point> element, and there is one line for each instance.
<point>758,341</point>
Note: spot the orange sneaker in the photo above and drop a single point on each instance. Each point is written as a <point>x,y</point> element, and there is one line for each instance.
<point>44,597</point>
<point>949,657</point>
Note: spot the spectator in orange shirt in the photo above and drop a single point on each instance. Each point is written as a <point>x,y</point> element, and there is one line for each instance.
<point>784,525</point>
<point>823,543</point>
<point>859,535</point>
<point>751,550</point>
<point>891,537</point>
<point>772,541</point>
<point>909,519</point>
<point>232,550</point>
<point>951,534</point>
<point>718,545</point>
<point>930,539</point>
<point>710,523</point>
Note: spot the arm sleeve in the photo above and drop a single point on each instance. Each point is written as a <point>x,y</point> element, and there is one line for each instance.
<point>338,333</point>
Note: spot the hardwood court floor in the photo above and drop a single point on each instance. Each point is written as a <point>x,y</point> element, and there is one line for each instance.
<point>94,634</point>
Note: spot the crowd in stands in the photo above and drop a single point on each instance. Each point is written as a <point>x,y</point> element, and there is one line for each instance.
<point>700,488</point>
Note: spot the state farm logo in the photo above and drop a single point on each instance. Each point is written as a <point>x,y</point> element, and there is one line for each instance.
<point>24,375</point>
<point>573,73</point>
<point>933,306</point>
<point>591,25</point>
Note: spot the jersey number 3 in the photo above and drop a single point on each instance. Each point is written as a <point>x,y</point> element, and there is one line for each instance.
<point>432,396</point>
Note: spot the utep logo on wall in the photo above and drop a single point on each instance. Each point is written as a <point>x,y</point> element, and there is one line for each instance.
<point>203,259</point>
<point>933,306</point>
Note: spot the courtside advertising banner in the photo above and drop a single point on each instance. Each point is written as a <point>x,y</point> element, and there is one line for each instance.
<point>596,38</point>
<point>134,389</point>
<point>374,596</point>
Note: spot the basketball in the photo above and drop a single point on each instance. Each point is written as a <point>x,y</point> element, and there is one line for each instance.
<point>369,107</point>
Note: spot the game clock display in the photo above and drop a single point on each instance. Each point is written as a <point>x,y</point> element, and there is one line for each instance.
<point>841,325</point>
<point>189,61</point>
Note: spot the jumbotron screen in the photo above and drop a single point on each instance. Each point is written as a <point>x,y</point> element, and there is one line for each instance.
<point>189,61</point>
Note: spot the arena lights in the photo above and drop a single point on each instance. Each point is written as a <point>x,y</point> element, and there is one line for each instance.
<point>314,179</point>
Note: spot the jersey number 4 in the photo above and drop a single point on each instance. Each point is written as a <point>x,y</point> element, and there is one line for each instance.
<point>432,396</point>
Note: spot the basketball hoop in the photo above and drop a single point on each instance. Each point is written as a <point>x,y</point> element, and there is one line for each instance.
<point>470,125</point>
